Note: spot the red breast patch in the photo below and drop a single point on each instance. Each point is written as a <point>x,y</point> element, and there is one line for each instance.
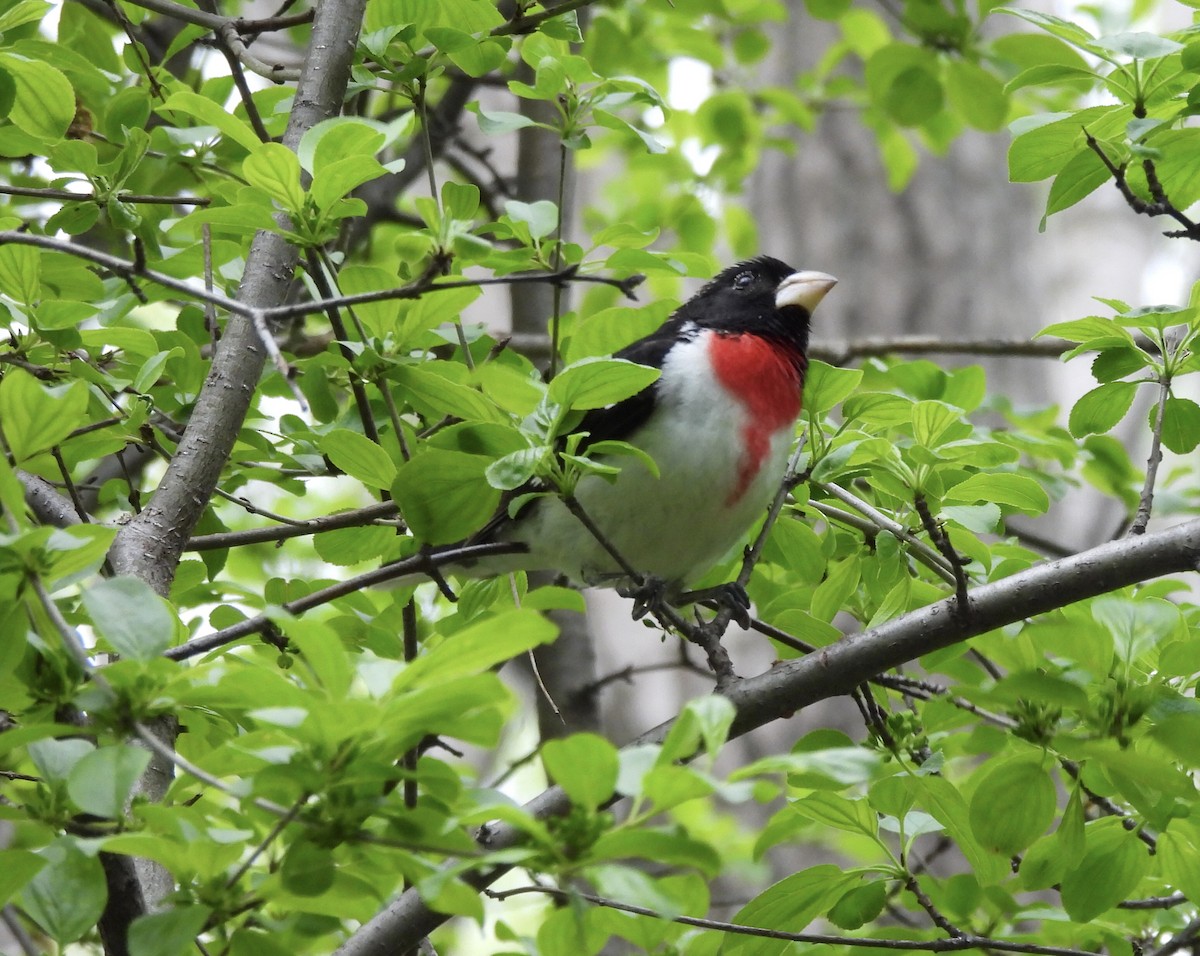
<point>767,379</point>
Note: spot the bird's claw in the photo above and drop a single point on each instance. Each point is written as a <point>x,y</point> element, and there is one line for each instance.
<point>648,597</point>
<point>731,596</point>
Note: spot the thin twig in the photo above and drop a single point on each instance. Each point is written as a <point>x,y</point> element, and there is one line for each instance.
<point>1162,205</point>
<point>277,829</point>
<point>754,551</point>
<point>358,518</point>
<point>1154,902</point>
<point>324,284</point>
<point>1146,502</point>
<point>408,622</point>
<point>139,199</point>
<point>417,564</point>
<point>8,915</point>
<point>126,268</point>
<point>937,534</point>
<point>927,905</point>
<point>933,560</point>
<point>1183,938</point>
<point>952,945</point>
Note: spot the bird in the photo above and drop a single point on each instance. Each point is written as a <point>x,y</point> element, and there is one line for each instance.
<point>718,422</point>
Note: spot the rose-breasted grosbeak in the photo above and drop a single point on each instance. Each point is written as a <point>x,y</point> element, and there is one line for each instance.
<point>718,423</point>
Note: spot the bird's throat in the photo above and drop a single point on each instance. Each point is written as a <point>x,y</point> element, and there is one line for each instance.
<point>767,378</point>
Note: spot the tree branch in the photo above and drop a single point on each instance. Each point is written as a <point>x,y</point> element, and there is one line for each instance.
<point>842,666</point>
<point>1146,501</point>
<point>417,564</point>
<point>344,519</point>
<point>150,545</point>
<point>956,944</point>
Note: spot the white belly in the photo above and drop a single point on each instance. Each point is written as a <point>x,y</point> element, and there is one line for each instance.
<point>675,526</point>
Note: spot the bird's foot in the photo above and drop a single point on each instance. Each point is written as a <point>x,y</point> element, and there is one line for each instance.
<point>731,596</point>
<point>657,597</point>
<point>650,596</point>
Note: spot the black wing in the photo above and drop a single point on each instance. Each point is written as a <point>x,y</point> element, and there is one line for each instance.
<point>619,421</point>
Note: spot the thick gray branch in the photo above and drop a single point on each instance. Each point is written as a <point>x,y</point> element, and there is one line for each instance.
<point>150,545</point>
<point>837,669</point>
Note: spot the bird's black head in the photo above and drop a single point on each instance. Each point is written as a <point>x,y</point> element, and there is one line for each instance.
<point>763,296</point>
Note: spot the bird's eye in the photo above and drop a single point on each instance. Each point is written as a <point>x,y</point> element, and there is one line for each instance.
<point>743,279</point>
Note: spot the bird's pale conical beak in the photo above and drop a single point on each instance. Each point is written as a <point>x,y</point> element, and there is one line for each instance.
<point>804,289</point>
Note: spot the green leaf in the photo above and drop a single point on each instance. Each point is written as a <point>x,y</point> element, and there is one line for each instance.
<point>1082,175</point>
<point>1181,424</point>
<point>1117,362</point>
<point>497,122</point>
<point>914,97</point>
<point>477,648</point>
<point>976,95</point>
<point>37,417</point>
<point>827,9</point>
<point>610,121</point>
<point>274,169</point>
<point>19,273</point>
<point>1092,329</point>
<point>1140,46</point>
<point>332,182</point>
<point>55,758</point>
<point>1136,626</point>
<point>481,58</point>
<point>789,905</point>
<point>1113,864</point>
<point>348,546</point>
<point>17,867</point>
<point>903,81</point>
<point>1051,74</point>
<point>826,386</point>
<point>834,592</point>
<point>584,765</point>
<point>943,800</point>
<point>1179,856</point>
<point>672,848</point>
<point>335,139</point>
<point>67,895</point>
<point>170,932</point>
<point>359,457</point>
<point>930,421</point>
<point>831,810</point>
<point>460,200</point>
<point>598,382</point>
<point>135,621</point>
<point>1013,804</point>
<point>211,113</point>
<point>1041,151</point>
<point>860,905</point>
<point>26,11</point>
<point>1100,409</point>
<point>445,495</point>
<point>102,781</point>
<point>307,869</point>
<point>1004,488</point>
<point>705,720</point>
<point>1063,29</point>
<point>43,98</point>
<point>514,469</point>
<point>982,519</point>
<point>540,216</point>
<point>436,394</point>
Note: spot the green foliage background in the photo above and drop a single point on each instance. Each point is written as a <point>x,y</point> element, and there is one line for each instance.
<point>1049,763</point>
